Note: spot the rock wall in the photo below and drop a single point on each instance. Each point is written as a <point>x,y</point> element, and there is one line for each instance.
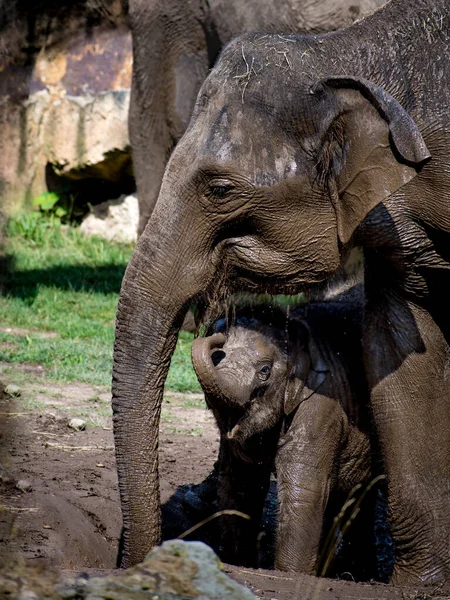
<point>64,96</point>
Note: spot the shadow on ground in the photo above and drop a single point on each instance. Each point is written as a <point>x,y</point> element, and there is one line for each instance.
<point>104,279</point>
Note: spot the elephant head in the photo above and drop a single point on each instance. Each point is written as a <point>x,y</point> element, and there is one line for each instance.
<point>244,359</point>
<point>254,372</point>
<point>280,165</point>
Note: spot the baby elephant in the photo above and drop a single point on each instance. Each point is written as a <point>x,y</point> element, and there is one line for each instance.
<point>288,393</point>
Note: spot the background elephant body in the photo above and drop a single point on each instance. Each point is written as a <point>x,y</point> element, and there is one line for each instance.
<point>284,168</point>
<point>176,43</point>
<point>290,392</point>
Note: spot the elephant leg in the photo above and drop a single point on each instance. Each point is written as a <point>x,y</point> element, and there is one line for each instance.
<point>407,366</point>
<point>305,466</point>
<point>169,67</point>
<point>243,486</point>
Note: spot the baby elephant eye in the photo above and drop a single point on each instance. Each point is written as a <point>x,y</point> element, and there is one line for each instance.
<point>264,372</point>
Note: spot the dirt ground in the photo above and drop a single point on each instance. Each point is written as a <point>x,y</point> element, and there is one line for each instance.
<point>58,486</point>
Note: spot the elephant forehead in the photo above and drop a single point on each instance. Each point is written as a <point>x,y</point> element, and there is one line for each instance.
<point>251,346</point>
<point>232,137</point>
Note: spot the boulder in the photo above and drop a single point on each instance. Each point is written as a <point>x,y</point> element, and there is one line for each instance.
<point>177,569</point>
<point>115,220</point>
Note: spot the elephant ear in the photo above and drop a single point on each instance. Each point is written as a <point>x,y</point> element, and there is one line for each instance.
<point>371,148</point>
<point>307,369</point>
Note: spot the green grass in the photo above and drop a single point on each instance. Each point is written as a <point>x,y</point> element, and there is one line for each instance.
<point>193,402</point>
<point>181,377</point>
<point>57,280</point>
<point>33,404</point>
<point>8,374</point>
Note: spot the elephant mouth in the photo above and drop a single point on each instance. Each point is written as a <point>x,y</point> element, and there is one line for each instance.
<point>259,268</point>
<point>254,285</point>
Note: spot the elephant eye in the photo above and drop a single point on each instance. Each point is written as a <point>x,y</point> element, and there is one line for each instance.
<point>219,191</point>
<point>264,372</point>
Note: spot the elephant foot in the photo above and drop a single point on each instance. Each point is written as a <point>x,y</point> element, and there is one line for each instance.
<point>405,573</point>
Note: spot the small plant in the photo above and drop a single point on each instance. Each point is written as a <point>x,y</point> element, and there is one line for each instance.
<point>94,399</point>
<point>61,207</point>
<point>47,201</point>
<point>196,431</point>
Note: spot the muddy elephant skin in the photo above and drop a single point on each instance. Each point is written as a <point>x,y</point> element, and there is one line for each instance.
<point>285,167</point>
<point>295,385</point>
<point>174,46</point>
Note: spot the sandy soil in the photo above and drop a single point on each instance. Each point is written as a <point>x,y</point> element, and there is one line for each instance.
<point>59,500</point>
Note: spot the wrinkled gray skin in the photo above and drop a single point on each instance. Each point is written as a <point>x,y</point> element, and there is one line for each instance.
<point>283,169</point>
<point>175,43</point>
<point>298,386</point>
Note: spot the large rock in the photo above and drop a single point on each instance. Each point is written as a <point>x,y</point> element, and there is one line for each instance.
<point>177,569</point>
<point>116,220</point>
<point>74,136</point>
<point>80,133</point>
<point>64,102</point>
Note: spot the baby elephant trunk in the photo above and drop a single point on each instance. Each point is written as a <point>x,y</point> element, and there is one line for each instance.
<point>202,359</point>
<point>219,376</point>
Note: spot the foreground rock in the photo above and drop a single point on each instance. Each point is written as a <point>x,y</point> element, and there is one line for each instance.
<point>183,570</point>
<point>77,424</point>
<point>175,569</point>
<point>13,390</point>
<point>178,568</point>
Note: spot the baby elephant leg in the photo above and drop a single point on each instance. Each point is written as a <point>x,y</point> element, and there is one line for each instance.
<point>305,466</point>
<point>243,487</point>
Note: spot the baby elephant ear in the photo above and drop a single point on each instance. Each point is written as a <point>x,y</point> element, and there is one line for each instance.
<point>306,368</point>
<point>380,149</point>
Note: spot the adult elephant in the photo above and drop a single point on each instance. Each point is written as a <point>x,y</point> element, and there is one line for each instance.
<point>284,168</point>
<point>176,43</point>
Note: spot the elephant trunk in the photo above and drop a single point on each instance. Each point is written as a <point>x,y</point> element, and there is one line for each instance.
<point>202,350</point>
<point>156,292</point>
<point>225,391</point>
